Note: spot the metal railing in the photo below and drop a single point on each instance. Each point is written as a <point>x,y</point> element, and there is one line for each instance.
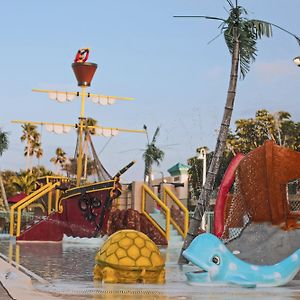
<point>19,206</point>
<point>182,231</point>
<point>146,190</point>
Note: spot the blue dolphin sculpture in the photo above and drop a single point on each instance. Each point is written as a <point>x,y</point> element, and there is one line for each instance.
<point>219,265</point>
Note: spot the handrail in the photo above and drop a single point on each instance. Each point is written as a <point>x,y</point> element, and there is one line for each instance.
<point>36,197</point>
<point>167,191</point>
<point>49,179</point>
<point>146,189</point>
<point>12,208</point>
<point>76,191</point>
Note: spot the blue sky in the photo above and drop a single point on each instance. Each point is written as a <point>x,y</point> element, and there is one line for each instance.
<point>178,79</point>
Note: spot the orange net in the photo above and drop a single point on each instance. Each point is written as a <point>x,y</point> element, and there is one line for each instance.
<point>261,191</point>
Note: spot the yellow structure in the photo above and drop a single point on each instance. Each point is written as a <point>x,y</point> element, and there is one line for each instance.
<point>25,202</point>
<point>147,191</point>
<point>129,256</point>
<point>168,194</point>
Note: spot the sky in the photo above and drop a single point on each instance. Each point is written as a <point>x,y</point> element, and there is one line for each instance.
<point>178,78</point>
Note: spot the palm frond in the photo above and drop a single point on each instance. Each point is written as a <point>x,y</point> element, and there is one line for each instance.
<point>155,135</point>
<point>230,3</point>
<point>281,28</point>
<point>212,40</point>
<point>3,142</point>
<point>199,16</point>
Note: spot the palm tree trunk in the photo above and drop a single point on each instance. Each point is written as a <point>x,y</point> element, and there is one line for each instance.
<point>204,198</point>
<point>27,156</point>
<point>3,193</point>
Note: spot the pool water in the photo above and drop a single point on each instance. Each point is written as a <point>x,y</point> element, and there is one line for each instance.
<point>68,269</point>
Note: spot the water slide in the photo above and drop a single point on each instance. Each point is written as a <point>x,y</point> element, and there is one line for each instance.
<point>224,189</point>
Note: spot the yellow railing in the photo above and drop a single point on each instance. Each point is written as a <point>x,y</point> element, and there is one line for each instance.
<point>168,192</point>
<point>77,191</point>
<point>14,206</point>
<point>26,202</point>
<point>147,190</point>
<point>53,179</point>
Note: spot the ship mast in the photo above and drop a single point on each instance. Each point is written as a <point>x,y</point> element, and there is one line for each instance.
<point>84,73</point>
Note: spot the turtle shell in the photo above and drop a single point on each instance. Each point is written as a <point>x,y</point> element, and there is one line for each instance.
<point>130,250</point>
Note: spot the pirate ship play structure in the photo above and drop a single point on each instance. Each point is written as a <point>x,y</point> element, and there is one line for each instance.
<point>79,210</point>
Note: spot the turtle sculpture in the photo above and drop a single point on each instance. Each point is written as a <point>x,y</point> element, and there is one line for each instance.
<point>129,256</point>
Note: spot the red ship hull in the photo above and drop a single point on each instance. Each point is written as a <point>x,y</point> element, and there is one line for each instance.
<point>83,212</point>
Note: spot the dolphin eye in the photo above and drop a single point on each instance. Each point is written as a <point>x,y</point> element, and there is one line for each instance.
<point>216,260</point>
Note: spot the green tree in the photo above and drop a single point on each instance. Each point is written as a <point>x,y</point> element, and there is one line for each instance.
<point>253,132</point>
<point>33,147</point>
<point>3,147</point>
<point>8,176</point>
<point>59,159</point>
<point>70,167</point>
<point>241,35</point>
<point>196,172</point>
<point>41,171</point>
<point>152,155</point>
<point>24,182</point>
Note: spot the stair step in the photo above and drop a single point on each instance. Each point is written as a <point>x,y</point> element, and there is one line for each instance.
<point>175,238</point>
<point>173,232</point>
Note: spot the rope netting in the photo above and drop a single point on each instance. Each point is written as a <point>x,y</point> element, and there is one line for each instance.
<point>102,173</point>
<point>237,216</point>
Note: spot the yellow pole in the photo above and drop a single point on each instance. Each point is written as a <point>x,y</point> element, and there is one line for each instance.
<point>31,200</point>
<point>12,208</point>
<point>83,93</point>
<point>57,195</point>
<point>49,203</point>
<point>17,255</point>
<point>81,120</point>
<point>10,251</point>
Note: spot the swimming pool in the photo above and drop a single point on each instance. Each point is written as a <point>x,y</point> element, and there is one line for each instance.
<point>68,269</point>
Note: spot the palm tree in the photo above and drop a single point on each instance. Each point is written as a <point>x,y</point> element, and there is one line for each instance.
<point>241,35</point>
<point>59,158</point>
<point>3,147</point>
<point>41,171</point>
<point>33,147</point>
<point>151,155</point>
<point>25,182</point>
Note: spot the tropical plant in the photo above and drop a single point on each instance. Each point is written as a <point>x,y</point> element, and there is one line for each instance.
<point>253,132</point>
<point>241,35</point>
<point>3,141</point>
<point>59,159</point>
<point>41,171</point>
<point>151,155</point>
<point>8,177</point>
<point>3,147</point>
<point>33,147</point>
<point>196,172</point>
<point>70,167</point>
<point>90,122</point>
<point>24,182</point>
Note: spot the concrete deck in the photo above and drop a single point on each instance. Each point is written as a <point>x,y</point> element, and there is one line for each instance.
<point>4,294</point>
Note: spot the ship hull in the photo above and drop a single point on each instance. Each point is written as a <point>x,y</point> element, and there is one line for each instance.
<point>82,212</point>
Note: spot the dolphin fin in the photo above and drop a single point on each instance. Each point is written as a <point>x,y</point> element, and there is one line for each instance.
<point>238,280</point>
